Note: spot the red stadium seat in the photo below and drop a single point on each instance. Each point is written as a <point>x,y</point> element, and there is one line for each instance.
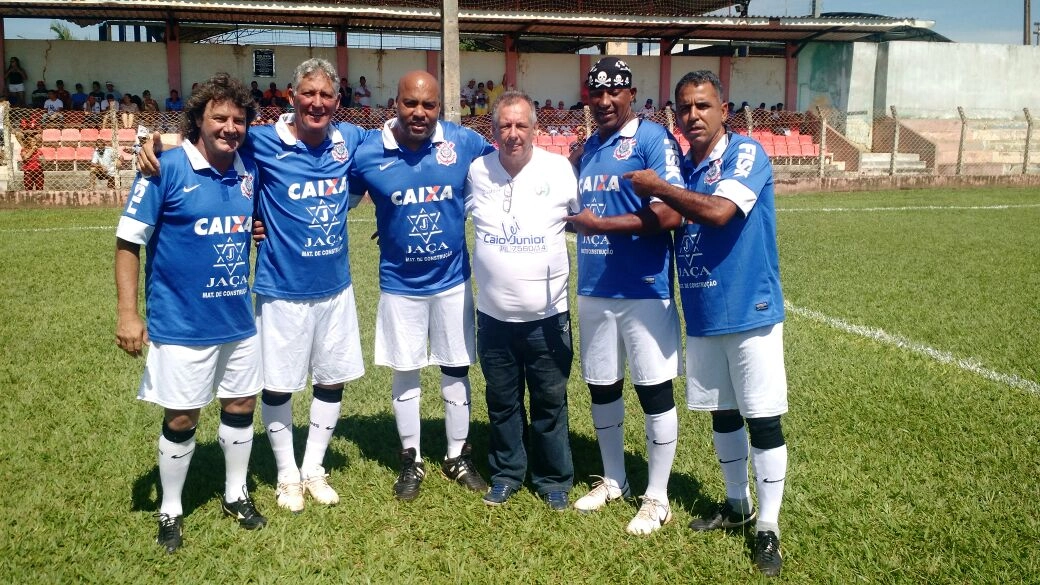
<point>65,156</point>
<point>561,140</point>
<point>69,135</point>
<point>88,135</point>
<point>543,140</point>
<point>51,135</point>
<point>805,138</point>
<point>84,153</point>
<point>127,135</point>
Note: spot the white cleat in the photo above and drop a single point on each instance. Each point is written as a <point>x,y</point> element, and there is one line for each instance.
<point>290,496</point>
<point>602,493</point>
<point>316,483</point>
<point>651,517</point>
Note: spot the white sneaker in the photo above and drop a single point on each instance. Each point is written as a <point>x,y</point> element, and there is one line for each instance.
<point>651,517</point>
<point>601,493</point>
<point>318,486</point>
<point>290,496</point>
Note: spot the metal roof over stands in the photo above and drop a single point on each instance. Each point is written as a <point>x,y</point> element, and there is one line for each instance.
<point>676,20</point>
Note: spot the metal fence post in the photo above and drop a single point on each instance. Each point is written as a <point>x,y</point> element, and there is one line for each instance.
<point>750,122</point>
<point>1029,138</point>
<point>8,160</point>
<point>895,142</point>
<point>823,140</point>
<point>960,144</point>
<point>670,119</point>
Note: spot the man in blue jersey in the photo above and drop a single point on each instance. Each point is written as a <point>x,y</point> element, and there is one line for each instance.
<point>306,312</point>
<point>195,223</point>
<point>625,306</point>
<point>729,280</point>
<point>415,172</point>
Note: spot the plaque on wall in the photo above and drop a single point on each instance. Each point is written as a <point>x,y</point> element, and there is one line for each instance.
<point>263,63</point>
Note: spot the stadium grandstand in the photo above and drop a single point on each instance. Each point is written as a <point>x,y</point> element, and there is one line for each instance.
<point>836,99</point>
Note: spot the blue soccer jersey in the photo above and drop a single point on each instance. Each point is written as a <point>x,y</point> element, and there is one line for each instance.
<point>196,226</point>
<point>420,206</point>
<point>729,277</point>
<point>303,201</point>
<point>625,266</point>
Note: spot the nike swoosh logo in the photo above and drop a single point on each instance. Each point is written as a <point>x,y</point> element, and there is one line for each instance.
<point>385,166</point>
<point>607,427</point>
<point>406,399</point>
<point>241,442</point>
<point>274,430</point>
<point>182,456</point>
<point>330,428</point>
<point>190,189</point>
<point>282,155</point>
<point>774,480</point>
<point>733,460</point>
<point>665,443</point>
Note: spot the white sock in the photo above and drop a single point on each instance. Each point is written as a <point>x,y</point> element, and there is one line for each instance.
<point>174,459</point>
<point>662,435</point>
<point>406,391</point>
<point>455,392</point>
<point>770,473</point>
<point>237,444</point>
<point>278,424</point>
<point>732,451</point>
<point>608,418</point>
<point>324,416</point>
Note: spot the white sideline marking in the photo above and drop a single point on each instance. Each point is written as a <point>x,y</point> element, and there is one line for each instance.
<point>112,227</point>
<point>915,208</point>
<point>967,364</point>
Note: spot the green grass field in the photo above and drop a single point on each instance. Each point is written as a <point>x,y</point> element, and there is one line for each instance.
<point>911,347</point>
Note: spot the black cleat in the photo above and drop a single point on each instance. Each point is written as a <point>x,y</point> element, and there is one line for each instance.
<point>412,473</point>
<point>767,553</point>
<point>724,516</point>
<point>244,510</point>
<point>462,470</point>
<point>170,531</point>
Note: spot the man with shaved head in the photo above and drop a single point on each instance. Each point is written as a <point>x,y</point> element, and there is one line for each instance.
<point>415,172</point>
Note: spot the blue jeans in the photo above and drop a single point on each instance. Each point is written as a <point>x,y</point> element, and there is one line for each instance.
<point>539,354</point>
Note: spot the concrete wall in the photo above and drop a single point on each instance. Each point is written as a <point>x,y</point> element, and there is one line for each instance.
<point>756,80</point>
<point>932,79</point>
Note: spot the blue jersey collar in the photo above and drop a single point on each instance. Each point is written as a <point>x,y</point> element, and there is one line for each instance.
<point>199,162</point>
<point>286,135</point>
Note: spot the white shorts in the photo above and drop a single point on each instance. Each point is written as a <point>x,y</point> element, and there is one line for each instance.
<point>646,331</point>
<point>184,377</point>
<point>404,323</point>
<point>319,337</point>
<point>738,371</point>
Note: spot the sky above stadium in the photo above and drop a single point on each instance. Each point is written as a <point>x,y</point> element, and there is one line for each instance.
<point>963,21</point>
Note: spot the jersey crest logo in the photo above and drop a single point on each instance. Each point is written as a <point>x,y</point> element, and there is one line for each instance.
<point>339,152</point>
<point>714,172</point>
<point>624,148</point>
<point>446,153</point>
<point>247,186</point>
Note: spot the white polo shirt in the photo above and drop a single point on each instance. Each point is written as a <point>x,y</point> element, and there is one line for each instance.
<point>520,256</point>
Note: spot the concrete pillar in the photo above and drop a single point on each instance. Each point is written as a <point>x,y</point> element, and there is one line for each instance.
<point>725,68</point>
<point>342,59</point>
<point>790,77</point>
<point>584,64</point>
<point>451,66</point>
<point>664,82</point>
<point>511,61</point>
<point>173,56</point>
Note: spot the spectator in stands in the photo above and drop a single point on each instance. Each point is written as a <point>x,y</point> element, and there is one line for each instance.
<point>560,106</point>
<point>480,108</point>
<point>32,168</point>
<point>54,106</point>
<point>548,105</point>
<point>15,78</point>
<point>63,95</point>
<point>256,93</point>
<point>174,102</point>
<point>493,92</point>
<point>40,94</point>
<point>110,88</point>
<point>579,105</point>
<point>104,164</point>
<point>363,95</point>
<point>469,93</point>
<point>96,91</point>
<point>92,104</point>
<point>464,110</point>
<point>109,112</point>
<point>79,98</point>
<point>346,94</point>
<point>149,111</point>
<point>668,106</point>
<point>194,87</point>
<point>648,109</point>
<point>128,112</point>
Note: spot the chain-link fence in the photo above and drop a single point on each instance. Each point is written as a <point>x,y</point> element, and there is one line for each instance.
<point>94,151</point>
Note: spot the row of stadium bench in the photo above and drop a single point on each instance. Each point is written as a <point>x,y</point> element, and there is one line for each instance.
<point>72,158</point>
<point>85,136</point>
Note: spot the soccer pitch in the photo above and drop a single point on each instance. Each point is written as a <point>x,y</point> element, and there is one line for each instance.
<point>911,348</point>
